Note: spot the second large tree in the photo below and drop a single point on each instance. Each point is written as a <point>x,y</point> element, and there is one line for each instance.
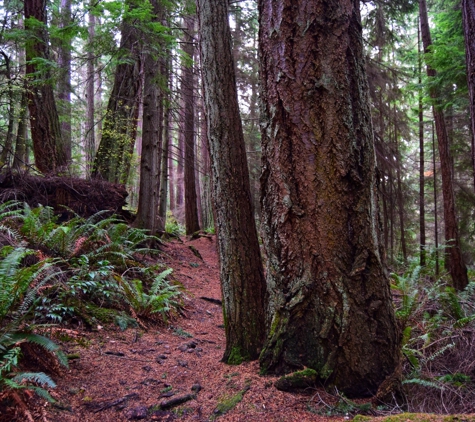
<point>330,296</point>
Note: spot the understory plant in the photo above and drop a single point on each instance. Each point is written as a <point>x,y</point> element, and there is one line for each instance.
<point>438,341</point>
<point>20,284</point>
<point>101,264</point>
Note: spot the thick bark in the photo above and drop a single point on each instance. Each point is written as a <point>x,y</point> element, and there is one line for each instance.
<point>120,122</point>
<point>330,295</point>
<point>147,212</point>
<point>468,18</point>
<point>48,147</point>
<point>242,279</point>
<point>453,256</point>
<point>191,209</point>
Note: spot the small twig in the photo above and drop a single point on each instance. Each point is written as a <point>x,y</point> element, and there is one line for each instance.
<point>116,402</point>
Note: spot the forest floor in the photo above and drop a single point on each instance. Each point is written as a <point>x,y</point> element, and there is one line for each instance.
<point>134,374</point>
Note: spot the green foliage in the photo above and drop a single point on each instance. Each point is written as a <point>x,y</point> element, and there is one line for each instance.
<point>437,323</point>
<point>173,227</point>
<point>84,265</point>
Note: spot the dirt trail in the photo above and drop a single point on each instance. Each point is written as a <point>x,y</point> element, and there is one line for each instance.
<point>126,375</point>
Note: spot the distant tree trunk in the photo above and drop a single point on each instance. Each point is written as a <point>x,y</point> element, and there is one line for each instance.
<point>241,273</point>
<point>147,212</point>
<point>468,18</point>
<point>120,122</point>
<point>422,221</point>
<point>7,147</point>
<point>330,293</point>
<point>400,198</point>
<point>20,158</point>
<point>171,177</point>
<point>164,178</point>
<point>64,79</point>
<point>90,140</point>
<point>191,209</point>
<point>436,201</point>
<point>453,256</point>
<point>48,146</point>
<point>180,158</point>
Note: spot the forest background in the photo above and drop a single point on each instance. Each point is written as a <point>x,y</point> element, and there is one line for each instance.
<point>111,91</point>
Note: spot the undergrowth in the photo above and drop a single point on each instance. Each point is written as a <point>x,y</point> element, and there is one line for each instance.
<point>438,340</point>
<point>81,271</point>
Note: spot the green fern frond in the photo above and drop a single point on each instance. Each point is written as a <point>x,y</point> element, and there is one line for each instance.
<point>37,377</point>
<point>424,383</point>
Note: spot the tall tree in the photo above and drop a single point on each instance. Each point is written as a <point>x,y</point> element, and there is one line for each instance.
<point>120,122</point>
<point>64,77</point>
<point>468,18</point>
<point>330,295</point>
<point>191,209</point>
<point>242,278</point>
<point>151,157</point>
<point>48,146</point>
<point>453,257</point>
<point>90,135</point>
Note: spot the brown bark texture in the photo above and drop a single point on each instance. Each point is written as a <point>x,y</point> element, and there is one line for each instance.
<point>120,122</point>
<point>48,148</point>
<point>192,224</point>
<point>329,291</point>
<point>150,162</point>
<point>454,259</point>
<point>468,19</point>
<point>242,278</point>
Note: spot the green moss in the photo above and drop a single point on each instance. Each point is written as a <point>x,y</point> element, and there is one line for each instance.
<point>236,357</point>
<point>229,403</point>
<point>297,381</point>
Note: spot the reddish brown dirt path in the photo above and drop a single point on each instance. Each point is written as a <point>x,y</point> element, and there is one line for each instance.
<point>121,375</point>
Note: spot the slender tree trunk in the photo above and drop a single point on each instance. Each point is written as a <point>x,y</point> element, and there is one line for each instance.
<point>454,258</point>
<point>468,18</point>
<point>242,278</point>
<point>48,146</point>
<point>64,79</point>
<point>165,168</point>
<point>400,199</point>
<point>436,201</point>
<point>330,295</point>
<point>20,158</point>
<point>90,140</point>
<point>422,221</point>
<point>7,147</point>
<point>180,157</point>
<point>191,208</point>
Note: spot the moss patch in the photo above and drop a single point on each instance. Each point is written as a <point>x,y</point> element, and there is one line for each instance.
<point>297,381</point>
<point>229,403</point>
<point>236,357</point>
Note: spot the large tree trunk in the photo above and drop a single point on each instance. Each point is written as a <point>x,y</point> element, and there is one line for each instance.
<point>120,122</point>
<point>242,279</point>
<point>330,295</point>
<point>48,147</point>
<point>454,258</point>
<point>191,209</point>
<point>468,18</point>
<point>147,212</point>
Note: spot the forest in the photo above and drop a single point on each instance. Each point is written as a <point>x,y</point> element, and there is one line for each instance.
<point>294,181</point>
